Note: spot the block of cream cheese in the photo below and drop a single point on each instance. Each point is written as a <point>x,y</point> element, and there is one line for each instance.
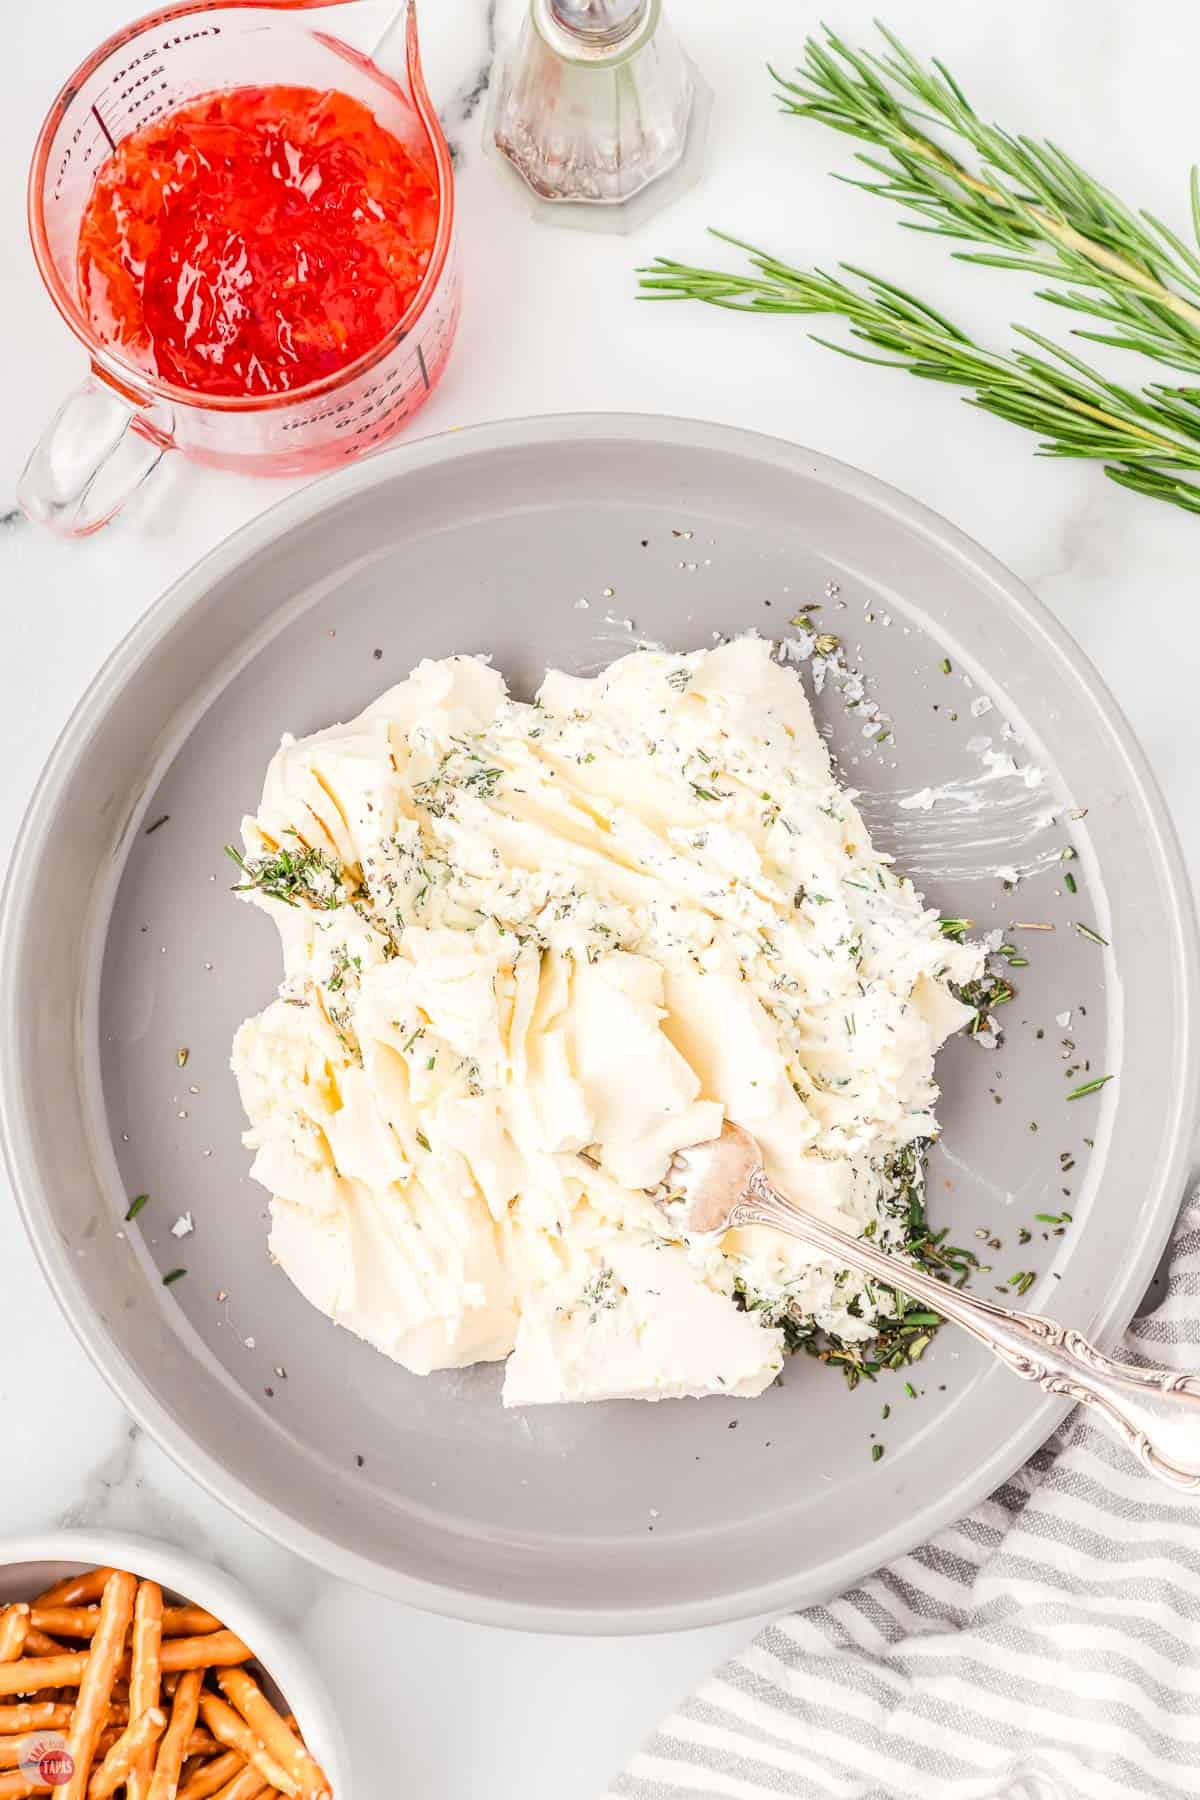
<point>529,952</point>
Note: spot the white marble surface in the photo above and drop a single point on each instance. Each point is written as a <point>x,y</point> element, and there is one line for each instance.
<point>551,325</point>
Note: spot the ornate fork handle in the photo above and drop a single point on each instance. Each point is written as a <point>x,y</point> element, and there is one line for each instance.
<point>1155,1411</point>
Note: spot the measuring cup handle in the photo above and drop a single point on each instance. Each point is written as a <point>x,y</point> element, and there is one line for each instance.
<point>93,456</point>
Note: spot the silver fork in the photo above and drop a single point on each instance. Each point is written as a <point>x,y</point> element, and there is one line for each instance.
<point>719,1185</point>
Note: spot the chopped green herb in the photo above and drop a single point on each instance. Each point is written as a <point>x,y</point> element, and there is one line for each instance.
<point>483,782</point>
<point>1089,1087</point>
<point>422,1140</point>
<point>1092,936</point>
<point>955,929</point>
<point>1070,883</point>
<point>600,1293</point>
<point>982,994</point>
<point>173,1275</point>
<point>945,665</point>
<point>876,1452</point>
<point>292,876</point>
<point>135,1206</point>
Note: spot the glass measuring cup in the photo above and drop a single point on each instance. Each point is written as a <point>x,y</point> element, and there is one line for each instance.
<point>111,433</point>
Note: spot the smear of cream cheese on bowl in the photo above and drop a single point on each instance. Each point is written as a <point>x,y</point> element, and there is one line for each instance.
<point>529,952</point>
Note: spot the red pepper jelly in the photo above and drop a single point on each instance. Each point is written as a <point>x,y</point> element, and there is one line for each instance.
<point>255,240</point>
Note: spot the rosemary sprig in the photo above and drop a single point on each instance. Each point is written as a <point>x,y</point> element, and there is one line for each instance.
<point>1033,204</point>
<point>1036,210</point>
<point>1146,440</point>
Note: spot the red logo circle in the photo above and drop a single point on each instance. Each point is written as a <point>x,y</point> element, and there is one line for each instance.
<point>46,1758</point>
<point>56,1767</point>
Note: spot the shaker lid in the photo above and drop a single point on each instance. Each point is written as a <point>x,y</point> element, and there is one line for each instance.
<point>599,21</point>
<point>595,32</point>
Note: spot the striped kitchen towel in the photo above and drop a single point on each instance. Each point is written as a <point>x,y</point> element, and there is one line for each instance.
<point>1046,1648</point>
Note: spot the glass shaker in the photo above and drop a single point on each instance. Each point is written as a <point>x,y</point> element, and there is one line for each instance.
<point>595,102</point>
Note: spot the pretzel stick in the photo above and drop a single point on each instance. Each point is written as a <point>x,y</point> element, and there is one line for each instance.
<point>95,1687</point>
<point>189,1621</point>
<point>199,1744</point>
<point>145,1681</point>
<point>40,1715</point>
<point>11,1751</point>
<point>66,1621</point>
<point>217,1649</point>
<point>81,1621</point>
<point>276,1736</point>
<point>38,1644</point>
<point>32,1673</point>
<point>173,1747</point>
<point>14,1629</point>
<point>137,1740</point>
<point>243,1787</point>
<point>17,1785</point>
<point>76,1590</point>
<point>232,1730</point>
<point>212,1777</point>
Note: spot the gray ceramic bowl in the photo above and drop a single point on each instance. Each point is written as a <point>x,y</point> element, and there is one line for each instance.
<point>121,945</point>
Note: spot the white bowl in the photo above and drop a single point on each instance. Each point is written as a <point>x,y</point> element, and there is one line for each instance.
<point>28,1565</point>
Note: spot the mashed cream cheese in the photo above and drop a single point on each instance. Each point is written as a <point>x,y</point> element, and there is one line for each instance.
<point>532,950</point>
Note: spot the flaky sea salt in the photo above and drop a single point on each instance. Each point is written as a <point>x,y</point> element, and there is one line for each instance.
<point>183,1226</point>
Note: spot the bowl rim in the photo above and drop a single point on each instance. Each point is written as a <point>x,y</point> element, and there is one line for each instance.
<point>205,1584</point>
<point>1129,1286</point>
